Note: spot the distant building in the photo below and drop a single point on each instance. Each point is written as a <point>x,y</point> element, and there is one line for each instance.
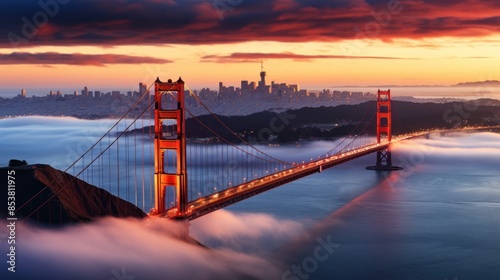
<point>206,93</point>
<point>143,89</point>
<point>283,89</point>
<point>23,92</point>
<point>225,92</point>
<point>245,87</point>
<point>221,88</point>
<point>356,95</point>
<point>262,84</point>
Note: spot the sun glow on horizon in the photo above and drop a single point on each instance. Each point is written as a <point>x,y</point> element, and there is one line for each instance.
<point>442,61</point>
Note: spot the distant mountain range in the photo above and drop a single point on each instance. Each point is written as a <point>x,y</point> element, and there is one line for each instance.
<point>336,122</point>
<point>487,83</point>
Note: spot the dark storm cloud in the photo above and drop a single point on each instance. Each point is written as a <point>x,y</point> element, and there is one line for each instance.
<point>51,58</point>
<point>127,22</point>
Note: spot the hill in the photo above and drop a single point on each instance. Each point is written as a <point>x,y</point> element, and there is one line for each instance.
<point>73,201</point>
<point>339,121</point>
<point>487,83</point>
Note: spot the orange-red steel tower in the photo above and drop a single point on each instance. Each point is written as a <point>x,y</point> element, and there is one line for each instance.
<point>384,128</point>
<point>384,119</point>
<point>164,142</point>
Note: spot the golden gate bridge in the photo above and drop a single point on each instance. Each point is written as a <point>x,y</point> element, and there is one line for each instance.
<point>149,159</point>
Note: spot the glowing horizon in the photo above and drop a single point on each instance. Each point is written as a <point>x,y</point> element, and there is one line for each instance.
<point>388,42</point>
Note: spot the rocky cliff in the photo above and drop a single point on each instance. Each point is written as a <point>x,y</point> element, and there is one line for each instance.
<point>53,197</point>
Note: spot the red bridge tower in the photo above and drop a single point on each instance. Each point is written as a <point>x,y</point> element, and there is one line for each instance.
<point>384,127</point>
<point>168,142</point>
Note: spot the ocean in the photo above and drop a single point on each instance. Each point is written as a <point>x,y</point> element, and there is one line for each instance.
<point>435,219</point>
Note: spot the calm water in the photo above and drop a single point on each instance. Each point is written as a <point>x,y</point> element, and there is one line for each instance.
<point>436,219</point>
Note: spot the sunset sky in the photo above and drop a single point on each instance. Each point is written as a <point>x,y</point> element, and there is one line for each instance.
<point>68,44</point>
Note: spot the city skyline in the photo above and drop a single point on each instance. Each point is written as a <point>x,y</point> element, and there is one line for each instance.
<point>316,44</point>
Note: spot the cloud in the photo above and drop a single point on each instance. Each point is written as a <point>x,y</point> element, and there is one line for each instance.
<point>53,58</point>
<point>248,232</point>
<point>252,57</point>
<point>464,145</point>
<point>152,22</point>
<point>144,250</point>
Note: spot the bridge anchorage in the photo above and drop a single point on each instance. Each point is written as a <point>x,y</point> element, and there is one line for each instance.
<point>384,125</point>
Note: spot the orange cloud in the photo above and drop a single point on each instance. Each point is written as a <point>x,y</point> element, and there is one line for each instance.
<point>253,57</point>
<point>52,58</point>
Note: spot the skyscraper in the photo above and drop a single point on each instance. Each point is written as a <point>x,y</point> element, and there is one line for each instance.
<point>244,87</point>
<point>143,89</point>
<point>262,83</point>
<point>221,88</point>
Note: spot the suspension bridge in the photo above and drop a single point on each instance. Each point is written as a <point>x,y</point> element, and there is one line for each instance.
<point>151,158</point>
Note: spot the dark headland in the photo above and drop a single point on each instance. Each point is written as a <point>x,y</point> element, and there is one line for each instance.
<point>49,196</point>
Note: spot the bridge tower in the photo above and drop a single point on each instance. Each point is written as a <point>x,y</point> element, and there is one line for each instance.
<point>165,143</point>
<point>384,129</point>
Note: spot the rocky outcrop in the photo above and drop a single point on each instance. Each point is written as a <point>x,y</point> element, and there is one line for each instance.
<point>50,196</point>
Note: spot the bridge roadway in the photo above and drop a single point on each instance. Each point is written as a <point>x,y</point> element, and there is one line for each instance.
<point>224,198</point>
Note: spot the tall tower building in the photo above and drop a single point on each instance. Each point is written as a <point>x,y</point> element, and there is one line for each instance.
<point>23,92</point>
<point>244,86</point>
<point>262,83</point>
<point>142,90</point>
<point>221,88</point>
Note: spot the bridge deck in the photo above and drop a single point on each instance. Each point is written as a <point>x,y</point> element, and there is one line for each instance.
<point>216,201</point>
